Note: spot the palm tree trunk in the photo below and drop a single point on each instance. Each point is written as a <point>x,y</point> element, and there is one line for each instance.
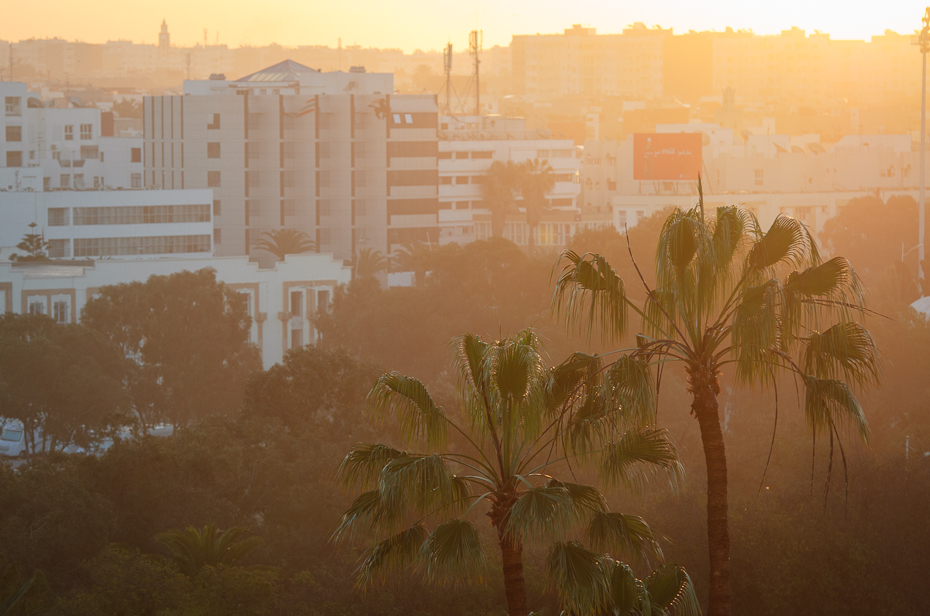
<point>531,240</point>
<point>704,389</point>
<point>514,584</point>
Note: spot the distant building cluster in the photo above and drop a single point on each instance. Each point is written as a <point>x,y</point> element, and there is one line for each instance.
<point>372,150</point>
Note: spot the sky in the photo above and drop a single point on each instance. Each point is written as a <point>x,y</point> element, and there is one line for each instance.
<point>429,24</point>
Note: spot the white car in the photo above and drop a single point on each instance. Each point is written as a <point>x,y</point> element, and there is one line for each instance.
<point>13,441</point>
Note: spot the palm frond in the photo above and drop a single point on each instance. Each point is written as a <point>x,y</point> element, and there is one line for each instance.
<point>585,499</point>
<point>367,514</point>
<point>730,229</point>
<point>639,454</point>
<point>406,398</point>
<point>394,552</point>
<point>670,589</point>
<point>453,550</point>
<point>755,330</point>
<point>364,462</point>
<point>630,383</point>
<point>618,532</point>
<point>590,294</point>
<point>827,290</point>
<point>543,511</point>
<point>845,351</point>
<point>566,379</point>
<point>787,240</point>
<point>424,482</point>
<point>576,573</point>
<point>625,591</point>
<point>829,402</point>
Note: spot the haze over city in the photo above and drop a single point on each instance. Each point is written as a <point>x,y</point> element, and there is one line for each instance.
<point>474,309</point>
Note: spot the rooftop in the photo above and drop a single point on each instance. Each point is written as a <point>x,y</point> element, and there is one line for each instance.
<point>282,71</point>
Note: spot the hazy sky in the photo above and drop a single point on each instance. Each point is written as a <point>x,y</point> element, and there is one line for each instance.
<point>428,24</point>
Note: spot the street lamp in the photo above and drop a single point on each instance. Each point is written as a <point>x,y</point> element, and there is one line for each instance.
<point>924,42</point>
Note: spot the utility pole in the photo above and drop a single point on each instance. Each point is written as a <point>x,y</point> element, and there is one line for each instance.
<point>474,45</point>
<point>924,42</point>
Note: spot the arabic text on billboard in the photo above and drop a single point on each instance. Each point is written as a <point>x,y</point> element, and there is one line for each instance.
<point>666,156</point>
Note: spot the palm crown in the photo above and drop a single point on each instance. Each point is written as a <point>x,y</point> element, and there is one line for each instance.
<point>730,295</point>
<point>524,421</point>
<point>283,242</point>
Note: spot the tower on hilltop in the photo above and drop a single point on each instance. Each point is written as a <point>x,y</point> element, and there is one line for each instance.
<point>164,40</point>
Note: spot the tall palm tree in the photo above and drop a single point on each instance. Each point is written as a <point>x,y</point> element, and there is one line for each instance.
<point>523,422</point>
<point>498,189</point>
<point>731,296</point>
<point>368,263</point>
<point>416,257</point>
<point>283,242</point>
<point>537,181</point>
<point>195,549</point>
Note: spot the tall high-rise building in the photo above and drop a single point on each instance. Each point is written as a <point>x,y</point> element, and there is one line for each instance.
<point>334,155</point>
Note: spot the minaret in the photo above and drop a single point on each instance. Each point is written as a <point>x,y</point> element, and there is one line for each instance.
<point>164,40</point>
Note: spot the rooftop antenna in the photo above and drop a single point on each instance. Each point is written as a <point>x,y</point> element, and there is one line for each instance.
<point>923,39</point>
<point>204,38</point>
<point>447,67</point>
<point>474,47</point>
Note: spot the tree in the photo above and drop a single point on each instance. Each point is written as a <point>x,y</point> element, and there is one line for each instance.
<point>522,422</point>
<point>537,181</point>
<point>195,549</point>
<point>283,242</point>
<point>415,257</point>
<point>34,245</point>
<point>188,337</point>
<point>500,186</point>
<point>64,383</point>
<point>368,263</point>
<point>728,294</point>
<point>127,108</point>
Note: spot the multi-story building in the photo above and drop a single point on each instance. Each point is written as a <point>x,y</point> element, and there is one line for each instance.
<point>468,146</point>
<point>128,224</point>
<point>581,62</point>
<point>335,155</point>
<point>282,300</point>
<point>46,147</point>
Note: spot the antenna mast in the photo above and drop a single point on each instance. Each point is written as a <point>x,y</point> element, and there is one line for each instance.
<point>447,67</point>
<point>474,46</point>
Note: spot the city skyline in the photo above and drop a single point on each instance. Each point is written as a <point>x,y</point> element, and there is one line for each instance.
<point>287,23</point>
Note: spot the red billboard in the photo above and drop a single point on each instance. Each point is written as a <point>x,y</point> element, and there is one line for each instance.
<point>667,156</point>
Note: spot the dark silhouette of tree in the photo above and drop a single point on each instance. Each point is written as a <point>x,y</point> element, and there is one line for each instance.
<point>188,337</point>
<point>193,549</point>
<point>415,257</point>
<point>536,182</point>
<point>368,263</point>
<point>34,245</point>
<point>730,295</point>
<point>520,423</point>
<point>283,242</point>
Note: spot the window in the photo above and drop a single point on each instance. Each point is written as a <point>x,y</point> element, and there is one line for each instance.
<point>46,183</point>
<point>408,118</point>
<point>296,335</point>
<point>90,152</point>
<point>135,180</point>
<point>217,236</point>
<point>217,207</point>
<point>296,302</point>
<point>445,180</point>
<point>12,105</point>
<point>14,133</point>
<point>322,300</point>
<point>482,154</point>
<point>444,155</point>
<point>759,177</point>
<point>459,155</point>
<point>461,179</point>
<point>87,131</point>
<point>101,157</point>
<point>36,305</point>
<point>621,218</point>
<point>325,208</point>
<point>121,246</point>
<point>14,159</point>
<point>64,181</point>
<point>57,216</point>
<point>79,181</point>
<point>135,155</point>
<point>396,118</point>
<point>213,179</point>
<point>59,249</point>
<point>213,149</point>
<point>216,122</point>
<point>148,214</point>
<point>69,132</point>
<point>61,309</point>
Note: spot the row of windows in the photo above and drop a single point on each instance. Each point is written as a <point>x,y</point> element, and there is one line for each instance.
<point>129,215</point>
<point>87,131</point>
<point>61,307</point>
<point>124,246</point>
<point>461,155</point>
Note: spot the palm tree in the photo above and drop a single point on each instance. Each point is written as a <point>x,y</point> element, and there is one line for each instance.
<point>537,181</point>
<point>368,263</point>
<point>730,296</point>
<point>283,242</point>
<point>500,186</point>
<point>523,423</point>
<point>416,257</point>
<point>195,549</point>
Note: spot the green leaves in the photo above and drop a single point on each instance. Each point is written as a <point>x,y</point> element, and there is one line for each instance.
<point>364,462</point>
<point>576,572</point>
<point>542,511</point>
<point>394,552</point>
<point>639,454</point>
<point>845,351</point>
<point>830,403</point>
<point>786,240</point>
<point>420,419</point>
<point>589,294</point>
<point>617,532</point>
<point>453,548</point>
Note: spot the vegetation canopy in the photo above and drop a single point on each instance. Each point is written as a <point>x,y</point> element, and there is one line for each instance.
<point>521,424</point>
<point>730,295</point>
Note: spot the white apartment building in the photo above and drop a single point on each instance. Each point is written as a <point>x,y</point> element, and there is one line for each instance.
<point>467,147</point>
<point>123,224</point>
<point>335,155</point>
<point>43,147</point>
<point>282,301</point>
